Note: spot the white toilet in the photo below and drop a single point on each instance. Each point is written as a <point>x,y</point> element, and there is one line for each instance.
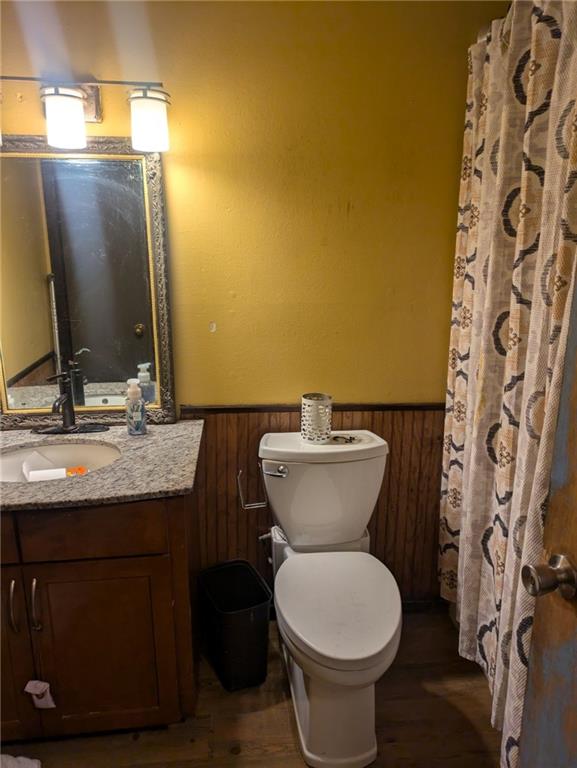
<point>338,607</point>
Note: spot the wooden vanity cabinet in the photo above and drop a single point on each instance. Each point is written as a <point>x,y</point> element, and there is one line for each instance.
<point>20,720</point>
<point>98,606</point>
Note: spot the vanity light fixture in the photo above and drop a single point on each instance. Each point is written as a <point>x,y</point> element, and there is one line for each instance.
<point>148,111</point>
<point>65,126</point>
<point>66,117</point>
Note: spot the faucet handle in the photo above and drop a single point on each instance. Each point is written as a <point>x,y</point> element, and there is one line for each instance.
<point>64,382</point>
<point>64,377</point>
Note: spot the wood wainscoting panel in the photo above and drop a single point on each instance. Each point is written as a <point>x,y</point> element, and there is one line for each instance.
<point>404,528</point>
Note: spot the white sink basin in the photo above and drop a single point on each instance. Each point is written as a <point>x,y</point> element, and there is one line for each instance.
<point>16,462</point>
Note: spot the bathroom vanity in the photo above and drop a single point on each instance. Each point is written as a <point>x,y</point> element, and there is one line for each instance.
<point>95,567</point>
<point>95,587</point>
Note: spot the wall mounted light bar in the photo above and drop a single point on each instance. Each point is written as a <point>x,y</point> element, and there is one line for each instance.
<point>64,106</point>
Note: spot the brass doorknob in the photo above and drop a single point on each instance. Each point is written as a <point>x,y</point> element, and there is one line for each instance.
<point>559,573</point>
<point>139,330</point>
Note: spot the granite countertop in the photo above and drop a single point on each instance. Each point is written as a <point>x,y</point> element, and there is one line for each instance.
<point>158,464</point>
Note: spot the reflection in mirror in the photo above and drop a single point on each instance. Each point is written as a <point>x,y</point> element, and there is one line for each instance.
<point>77,290</point>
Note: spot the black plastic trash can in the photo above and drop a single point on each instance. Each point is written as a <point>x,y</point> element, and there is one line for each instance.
<point>234,611</point>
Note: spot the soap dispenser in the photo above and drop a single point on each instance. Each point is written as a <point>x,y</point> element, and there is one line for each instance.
<point>146,386</point>
<point>135,411</point>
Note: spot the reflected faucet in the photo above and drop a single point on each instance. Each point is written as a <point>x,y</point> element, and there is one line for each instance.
<point>78,381</point>
<point>78,378</point>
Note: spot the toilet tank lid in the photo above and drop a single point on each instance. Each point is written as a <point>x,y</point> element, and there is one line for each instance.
<point>344,445</point>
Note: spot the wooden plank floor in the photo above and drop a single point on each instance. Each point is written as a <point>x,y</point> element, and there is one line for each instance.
<point>432,710</point>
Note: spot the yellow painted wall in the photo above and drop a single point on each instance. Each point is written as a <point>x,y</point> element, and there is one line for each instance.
<point>311,183</point>
<point>25,330</point>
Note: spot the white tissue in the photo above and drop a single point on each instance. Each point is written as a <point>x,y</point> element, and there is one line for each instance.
<point>40,692</point>
<point>46,474</point>
<point>37,467</point>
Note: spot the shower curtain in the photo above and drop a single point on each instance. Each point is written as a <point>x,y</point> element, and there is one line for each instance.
<point>514,277</point>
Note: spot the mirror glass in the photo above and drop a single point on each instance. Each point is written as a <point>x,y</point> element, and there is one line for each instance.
<point>76,289</point>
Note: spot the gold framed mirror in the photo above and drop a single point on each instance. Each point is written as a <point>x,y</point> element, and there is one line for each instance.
<point>84,280</point>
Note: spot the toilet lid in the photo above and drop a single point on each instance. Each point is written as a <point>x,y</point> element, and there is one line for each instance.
<point>340,608</point>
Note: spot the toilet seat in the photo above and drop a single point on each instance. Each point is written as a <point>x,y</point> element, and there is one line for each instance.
<point>341,609</point>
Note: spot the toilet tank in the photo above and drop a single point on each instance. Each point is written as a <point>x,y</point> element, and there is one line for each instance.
<point>323,494</point>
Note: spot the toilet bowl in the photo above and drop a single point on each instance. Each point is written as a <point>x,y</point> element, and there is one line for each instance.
<point>338,607</point>
<point>339,617</point>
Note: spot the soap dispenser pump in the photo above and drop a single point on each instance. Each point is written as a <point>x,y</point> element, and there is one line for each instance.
<point>135,411</point>
<point>146,386</point>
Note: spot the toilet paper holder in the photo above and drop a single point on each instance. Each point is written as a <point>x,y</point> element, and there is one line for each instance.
<point>254,504</point>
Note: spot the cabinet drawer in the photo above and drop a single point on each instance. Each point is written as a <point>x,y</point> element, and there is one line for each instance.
<point>9,544</point>
<point>119,530</point>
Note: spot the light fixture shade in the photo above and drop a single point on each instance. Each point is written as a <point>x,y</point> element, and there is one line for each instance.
<point>148,111</point>
<point>65,126</point>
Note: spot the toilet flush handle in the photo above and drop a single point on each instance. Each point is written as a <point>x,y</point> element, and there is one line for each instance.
<point>281,471</point>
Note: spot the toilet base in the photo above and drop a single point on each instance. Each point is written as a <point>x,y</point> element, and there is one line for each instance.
<point>336,724</point>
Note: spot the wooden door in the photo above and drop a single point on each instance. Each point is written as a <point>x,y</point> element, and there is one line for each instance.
<point>104,640</point>
<point>20,720</point>
<point>549,734</point>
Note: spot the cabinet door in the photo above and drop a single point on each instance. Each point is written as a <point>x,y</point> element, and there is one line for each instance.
<point>103,636</point>
<point>20,719</point>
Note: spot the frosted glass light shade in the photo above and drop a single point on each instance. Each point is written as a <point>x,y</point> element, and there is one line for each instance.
<point>148,111</point>
<point>65,126</point>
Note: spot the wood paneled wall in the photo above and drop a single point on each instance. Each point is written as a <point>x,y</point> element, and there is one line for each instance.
<point>404,527</point>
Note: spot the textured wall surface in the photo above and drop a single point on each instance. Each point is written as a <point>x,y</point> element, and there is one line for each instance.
<point>311,183</point>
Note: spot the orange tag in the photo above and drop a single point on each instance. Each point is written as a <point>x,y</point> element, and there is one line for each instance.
<point>80,470</point>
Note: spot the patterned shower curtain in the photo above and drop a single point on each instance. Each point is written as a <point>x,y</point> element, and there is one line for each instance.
<point>513,282</point>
